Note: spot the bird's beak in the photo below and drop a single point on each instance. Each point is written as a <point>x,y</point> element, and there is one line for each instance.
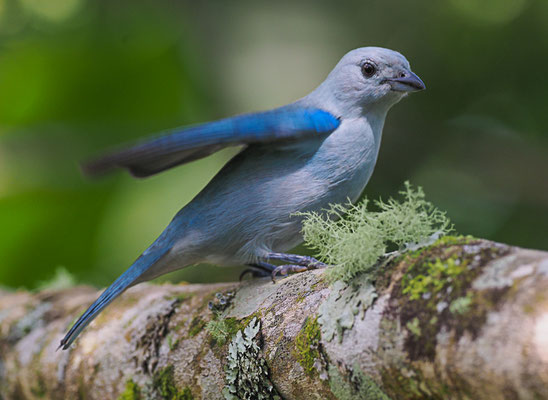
<point>408,83</point>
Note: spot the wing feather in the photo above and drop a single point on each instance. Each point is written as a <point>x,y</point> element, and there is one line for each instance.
<point>186,144</point>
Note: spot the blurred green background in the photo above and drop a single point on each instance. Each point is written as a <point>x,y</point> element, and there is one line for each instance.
<point>79,76</point>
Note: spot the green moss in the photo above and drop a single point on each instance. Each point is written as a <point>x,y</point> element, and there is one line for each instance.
<point>196,326</point>
<point>163,383</point>
<point>436,291</point>
<point>353,238</point>
<point>173,344</point>
<point>411,384</point>
<point>39,390</point>
<point>307,345</point>
<point>433,277</point>
<point>131,392</point>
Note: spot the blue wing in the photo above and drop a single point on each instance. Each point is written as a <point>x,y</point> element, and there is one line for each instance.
<point>186,144</point>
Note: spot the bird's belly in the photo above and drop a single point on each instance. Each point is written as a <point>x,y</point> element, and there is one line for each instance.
<point>245,218</point>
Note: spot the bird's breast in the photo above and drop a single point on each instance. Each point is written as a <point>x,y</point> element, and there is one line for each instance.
<point>346,159</point>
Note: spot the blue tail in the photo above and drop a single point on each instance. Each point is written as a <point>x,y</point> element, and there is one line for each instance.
<point>127,279</point>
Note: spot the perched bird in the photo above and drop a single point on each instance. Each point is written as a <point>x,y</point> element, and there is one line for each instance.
<point>301,157</point>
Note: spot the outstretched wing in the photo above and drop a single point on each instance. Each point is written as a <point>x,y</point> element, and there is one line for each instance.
<point>186,144</point>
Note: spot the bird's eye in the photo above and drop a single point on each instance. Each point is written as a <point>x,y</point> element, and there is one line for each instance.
<point>368,69</point>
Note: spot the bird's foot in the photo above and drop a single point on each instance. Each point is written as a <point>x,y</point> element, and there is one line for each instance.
<point>295,263</point>
<point>284,270</point>
<point>303,261</point>
<point>258,270</point>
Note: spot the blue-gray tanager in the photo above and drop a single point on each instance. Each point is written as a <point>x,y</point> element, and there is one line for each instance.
<point>301,157</point>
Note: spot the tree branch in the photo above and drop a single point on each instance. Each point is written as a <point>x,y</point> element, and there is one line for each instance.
<point>463,318</point>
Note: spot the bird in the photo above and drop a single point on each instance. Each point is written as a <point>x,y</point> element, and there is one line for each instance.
<point>301,157</point>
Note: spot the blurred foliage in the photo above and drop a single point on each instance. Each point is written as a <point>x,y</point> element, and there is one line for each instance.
<point>78,76</point>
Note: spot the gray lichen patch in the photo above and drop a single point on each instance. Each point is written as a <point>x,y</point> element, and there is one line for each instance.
<point>337,313</point>
<point>354,384</point>
<point>247,375</point>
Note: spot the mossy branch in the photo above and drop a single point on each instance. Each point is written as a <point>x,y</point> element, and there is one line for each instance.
<point>461,318</point>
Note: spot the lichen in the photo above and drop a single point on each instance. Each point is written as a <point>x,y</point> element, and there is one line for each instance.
<point>223,329</point>
<point>131,392</point>
<point>307,346</point>
<point>338,311</point>
<point>353,238</point>
<point>357,386</point>
<point>151,337</point>
<point>461,305</point>
<point>411,384</point>
<point>436,290</point>
<point>163,383</point>
<point>413,326</point>
<point>247,375</point>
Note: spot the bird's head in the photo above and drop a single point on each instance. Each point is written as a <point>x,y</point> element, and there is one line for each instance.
<point>371,78</point>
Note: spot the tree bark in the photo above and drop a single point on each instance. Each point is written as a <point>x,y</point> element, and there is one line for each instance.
<point>461,319</point>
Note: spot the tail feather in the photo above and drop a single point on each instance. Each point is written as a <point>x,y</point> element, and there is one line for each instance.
<point>127,279</point>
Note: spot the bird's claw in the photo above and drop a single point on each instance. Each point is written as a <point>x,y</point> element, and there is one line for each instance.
<point>284,270</point>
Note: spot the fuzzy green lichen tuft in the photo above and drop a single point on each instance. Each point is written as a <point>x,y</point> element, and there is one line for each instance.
<point>307,345</point>
<point>131,392</point>
<point>353,238</point>
<point>247,375</point>
<point>163,383</point>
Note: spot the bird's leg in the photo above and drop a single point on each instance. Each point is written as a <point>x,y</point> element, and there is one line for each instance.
<point>303,261</point>
<point>258,270</point>
<point>296,262</point>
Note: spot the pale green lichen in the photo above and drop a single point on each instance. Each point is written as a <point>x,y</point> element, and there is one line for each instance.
<point>247,375</point>
<point>461,305</point>
<point>353,238</point>
<point>344,303</point>
<point>414,327</point>
<point>223,329</point>
<point>358,386</point>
